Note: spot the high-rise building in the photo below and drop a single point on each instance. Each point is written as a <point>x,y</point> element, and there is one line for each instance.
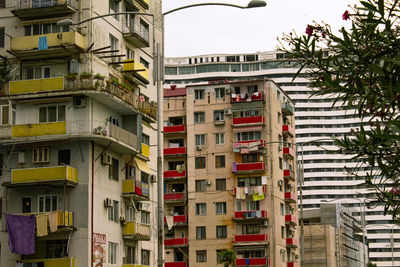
<point>326,175</point>
<point>77,143</point>
<point>229,174</point>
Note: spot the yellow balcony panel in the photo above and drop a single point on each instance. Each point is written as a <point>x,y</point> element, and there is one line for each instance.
<point>38,129</point>
<point>57,262</point>
<point>137,69</point>
<point>137,231</point>
<point>44,174</point>
<point>36,86</point>
<point>134,265</point>
<point>65,218</point>
<point>59,45</point>
<point>145,150</point>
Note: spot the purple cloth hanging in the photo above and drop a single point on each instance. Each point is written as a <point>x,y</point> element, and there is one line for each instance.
<point>21,233</point>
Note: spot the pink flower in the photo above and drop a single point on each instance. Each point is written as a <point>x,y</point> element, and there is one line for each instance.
<point>309,30</point>
<point>346,15</point>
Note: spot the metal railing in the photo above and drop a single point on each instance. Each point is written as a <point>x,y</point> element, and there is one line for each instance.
<point>132,27</point>
<point>24,4</point>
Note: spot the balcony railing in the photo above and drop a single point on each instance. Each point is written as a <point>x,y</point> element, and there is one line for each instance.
<point>178,219</point>
<point>176,129</point>
<point>289,174</point>
<point>175,151</point>
<point>290,197</point>
<point>38,129</point>
<point>176,264</point>
<point>250,146</point>
<point>291,242</point>
<point>36,85</point>
<point>251,262</point>
<point>249,190</point>
<point>251,238</point>
<point>290,219</point>
<point>287,130</point>
<point>137,33</point>
<point>248,167</point>
<point>174,174</point>
<point>31,176</point>
<point>138,70</point>
<point>251,215</point>
<point>244,121</point>
<point>176,242</point>
<point>237,98</point>
<point>29,9</point>
<point>174,197</point>
<point>135,189</point>
<point>59,262</point>
<point>293,264</point>
<point>137,231</point>
<point>64,218</point>
<point>288,153</point>
<point>287,109</point>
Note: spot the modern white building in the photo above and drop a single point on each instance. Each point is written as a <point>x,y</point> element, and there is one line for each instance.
<point>317,122</point>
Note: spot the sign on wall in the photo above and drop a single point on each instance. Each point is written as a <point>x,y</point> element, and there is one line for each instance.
<point>99,250</point>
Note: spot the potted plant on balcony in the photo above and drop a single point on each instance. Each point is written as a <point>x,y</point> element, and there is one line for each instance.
<point>86,80</point>
<point>99,83</point>
<point>71,78</point>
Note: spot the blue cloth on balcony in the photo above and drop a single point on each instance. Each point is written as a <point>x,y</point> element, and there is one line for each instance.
<point>42,43</point>
<point>21,233</point>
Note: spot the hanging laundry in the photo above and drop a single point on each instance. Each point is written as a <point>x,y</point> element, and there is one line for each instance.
<point>170,221</point>
<point>246,190</point>
<point>42,43</point>
<point>21,233</point>
<point>41,225</point>
<point>258,214</point>
<point>257,197</point>
<point>53,221</point>
<point>244,150</point>
<point>234,167</point>
<point>260,190</point>
<point>264,180</point>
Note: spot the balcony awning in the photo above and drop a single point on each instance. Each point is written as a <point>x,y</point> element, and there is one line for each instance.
<point>142,165</point>
<point>247,129</point>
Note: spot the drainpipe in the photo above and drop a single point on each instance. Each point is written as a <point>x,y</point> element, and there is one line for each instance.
<point>91,208</point>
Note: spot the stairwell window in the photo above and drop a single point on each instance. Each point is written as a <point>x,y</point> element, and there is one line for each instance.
<point>52,113</point>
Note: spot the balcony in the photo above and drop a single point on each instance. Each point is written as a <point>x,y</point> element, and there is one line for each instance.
<point>136,33</point>
<point>287,130</point>
<point>251,238</point>
<point>134,189</point>
<point>145,150</point>
<point>173,175</point>
<point>174,197</point>
<point>174,151</point>
<point>251,146</point>
<point>250,190</point>
<point>176,264</point>
<point>64,218</point>
<point>252,262</point>
<point>290,197</point>
<point>178,219</point>
<point>293,264</point>
<point>176,242</point>
<point>291,242</point>
<point>176,129</point>
<point>58,45</point>
<point>287,109</point>
<point>290,219</point>
<point>139,72</point>
<point>59,262</point>
<point>136,231</point>
<point>289,174</point>
<point>288,153</point>
<point>32,9</point>
<point>36,85</point>
<point>259,96</point>
<point>247,121</point>
<point>39,129</point>
<point>250,215</point>
<point>44,175</point>
<point>248,167</point>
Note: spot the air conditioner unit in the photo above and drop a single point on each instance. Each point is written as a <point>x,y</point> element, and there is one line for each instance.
<point>208,182</point>
<point>106,159</point>
<point>228,111</point>
<point>79,102</point>
<point>21,157</point>
<point>107,202</point>
<point>139,206</point>
<point>199,147</point>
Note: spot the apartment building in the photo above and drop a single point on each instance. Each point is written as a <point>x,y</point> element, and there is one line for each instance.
<point>229,174</point>
<point>76,133</point>
<point>317,121</point>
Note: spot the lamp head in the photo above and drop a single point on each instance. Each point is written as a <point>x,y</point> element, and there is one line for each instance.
<point>65,22</point>
<point>256,3</point>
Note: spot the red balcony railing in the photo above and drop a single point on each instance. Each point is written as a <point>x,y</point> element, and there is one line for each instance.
<point>174,197</point>
<point>175,242</point>
<point>290,197</point>
<point>174,151</point>
<point>287,174</point>
<point>251,238</point>
<point>248,120</point>
<point>291,242</point>
<point>175,129</point>
<point>178,219</point>
<point>176,264</point>
<point>246,98</point>
<point>293,264</point>
<point>174,174</point>
<point>287,130</point>
<point>288,153</point>
<point>251,262</point>
<point>248,167</point>
<point>290,219</point>
<point>260,214</point>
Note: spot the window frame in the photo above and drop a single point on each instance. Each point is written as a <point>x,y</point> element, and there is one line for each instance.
<point>40,152</point>
<point>201,209</point>
<point>201,255</point>
<point>113,212</point>
<point>200,162</point>
<point>220,208</point>
<point>220,184</point>
<point>199,117</point>
<point>200,139</point>
<point>112,252</point>
<point>224,231</point>
<point>220,161</point>
<point>220,138</point>
<point>199,94</point>
<point>201,232</point>
<point>200,185</point>
<point>43,198</point>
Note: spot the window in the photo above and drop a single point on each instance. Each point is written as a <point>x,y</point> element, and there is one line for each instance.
<point>112,252</point>
<point>144,177</point>
<point>200,139</point>
<point>219,138</point>
<point>145,257</point>
<point>2,33</point>
<point>113,45</point>
<point>113,212</point>
<point>36,29</point>
<point>145,139</point>
<point>4,115</point>
<point>40,155</point>
<point>200,162</point>
<point>249,181</point>
<point>201,255</point>
<point>253,205</point>
<point>220,184</point>
<point>142,61</point>
<point>280,163</point>
<point>113,169</point>
<point>199,117</point>
<point>221,231</point>
<point>26,205</point>
<point>37,72</point>
<point>54,248</point>
<point>282,209</point>
<point>1,164</point>
<point>114,8</point>
<point>199,94</point>
<point>280,185</point>
<point>220,208</point>
<point>219,161</point>
<point>250,229</point>
<point>64,157</point>
<point>219,115</point>
<point>130,172</point>
<point>47,203</point>
<point>129,54</point>
<point>200,232</point>
<point>219,92</point>
<point>129,255</point>
<point>282,232</point>
<point>200,185</point>
<point>52,113</point>
<point>248,136</point>
<point>145,217</point>
<point>201,209</point>
<point>130,214</point>
<point>219,256</point>
<point>249,158</point>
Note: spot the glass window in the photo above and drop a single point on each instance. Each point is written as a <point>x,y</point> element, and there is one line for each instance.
<point>113,169</point>
<point>221,231</point>
<point>282,209</point>
<point>145,257</point>
<point>219,115</point>
<point>113,212</point>
<point>146,139</point>
<point>252,205</point>
<point>114,8</point>
<point>145,217</point>
<point>199,94</point>
<point>200,162</point>
<point>219,92</point>
<point>130,255</point>
<point>4,115</point>
<point>220,184</point>
<point>112,252</point>
<point>220,161</point>
<point>219,138</point>
<point>199,117</point>
<point>200,185</point>
<point>142,61</point>
<point>40,155</point>
<point>26,205</point>
<point>220,208</point>
<point>250,229</point>
<point>47,203</point>
<point>52,113</point>
<point>200,139</point>
<point>201,209</point>
<point>200,232</point>
<point>201,255</point>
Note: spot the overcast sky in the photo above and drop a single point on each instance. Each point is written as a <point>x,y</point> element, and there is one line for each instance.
<point>207,30</point>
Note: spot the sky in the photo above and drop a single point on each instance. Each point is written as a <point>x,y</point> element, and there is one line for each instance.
<point>219,30</point>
